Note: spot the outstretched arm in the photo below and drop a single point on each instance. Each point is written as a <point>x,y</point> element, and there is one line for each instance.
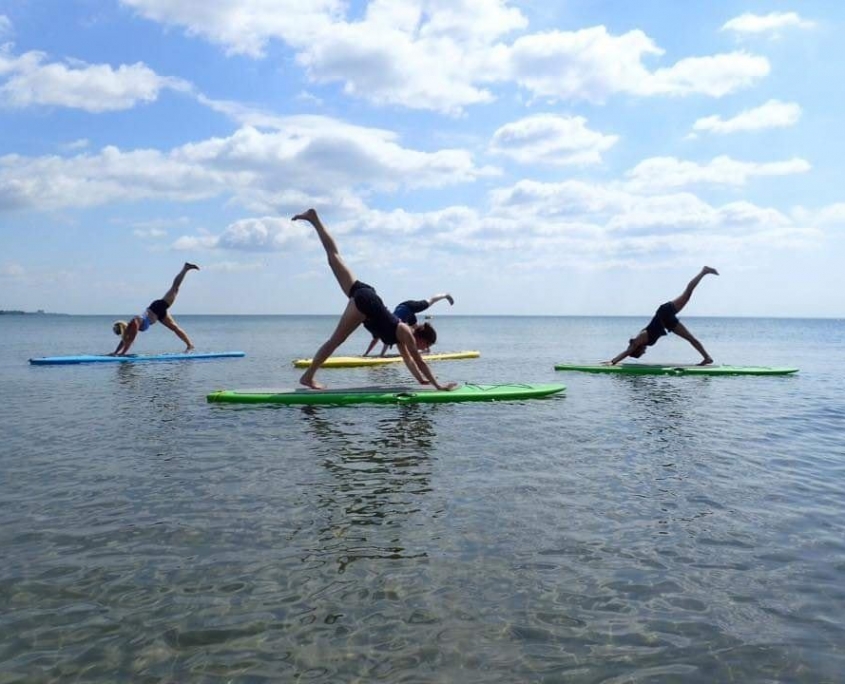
<point>438,297</point>
<point>414,361</point>
<point>126,341</point>
<point>635,343</point>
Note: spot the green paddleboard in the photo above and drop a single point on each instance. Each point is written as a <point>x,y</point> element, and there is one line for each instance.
<point>658,369</point>
<point>384,395</point>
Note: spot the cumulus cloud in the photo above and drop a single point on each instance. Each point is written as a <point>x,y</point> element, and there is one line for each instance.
<point>570,221</point>
<point>267,171</point>
<point>265,234</point>
<point>31,80</point>
<point>830,216</point>
<point>593,64</point>
<point>772,114</point>
<point>611,222</point>
<point>658,173</point>
<point>551,139</point>
<point>766,23</point>
<point>243,26</point>
<point>446,55</point>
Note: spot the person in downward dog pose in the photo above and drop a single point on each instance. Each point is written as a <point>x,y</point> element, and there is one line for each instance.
<point>156,311</point>
<point>666,318</point>
<point>407,313</point>
<point>364,305</point>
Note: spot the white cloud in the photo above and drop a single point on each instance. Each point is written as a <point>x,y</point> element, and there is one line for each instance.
<point>658,173</point>
<point>833,215</point>
<point>5,26</point>
<point>592,64</point>
<point>766,23</point>
<point>715,75</point>
<point>243,26</point>
<point>266,171</point>
<point>607,223</point>
<point>91,87</point>
<point>546,223</point>
<point>772,114</point>
<point>446,55</point>
<point>75,145</point>
<point>551,139</point>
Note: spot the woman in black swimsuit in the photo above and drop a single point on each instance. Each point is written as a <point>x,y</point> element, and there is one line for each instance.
<point>364,305</point>
<point>666,318</point>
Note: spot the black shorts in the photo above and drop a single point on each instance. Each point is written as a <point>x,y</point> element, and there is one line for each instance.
<point>159,307</point>
<point>380,322</point>
<point>665,318</point>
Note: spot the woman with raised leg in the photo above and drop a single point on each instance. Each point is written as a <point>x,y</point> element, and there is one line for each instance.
<point>364,305</point>
<point>666,319</point>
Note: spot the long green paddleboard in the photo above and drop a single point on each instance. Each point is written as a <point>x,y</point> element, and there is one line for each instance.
<point>358,361</point>
<point>657,369</point>
<point>385,395</point>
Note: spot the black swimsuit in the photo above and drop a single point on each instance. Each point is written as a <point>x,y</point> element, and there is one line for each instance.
<point>665,318</point>
<point>379,321</point>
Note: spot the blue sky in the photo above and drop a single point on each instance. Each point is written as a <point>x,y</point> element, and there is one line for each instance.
<point>575,157</point>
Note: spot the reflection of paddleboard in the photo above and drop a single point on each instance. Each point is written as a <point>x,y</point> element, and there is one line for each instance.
<point>385,395</point>
<point>356,361</point>
<point>131,358</point>
<point>658,369</point>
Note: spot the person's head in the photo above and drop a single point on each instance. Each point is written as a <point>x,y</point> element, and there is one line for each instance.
<point>637,352</point>
<point>425,336</point>
<point>119,328</point>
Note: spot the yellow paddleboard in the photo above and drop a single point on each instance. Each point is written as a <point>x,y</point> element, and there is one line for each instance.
<point>360,361</point>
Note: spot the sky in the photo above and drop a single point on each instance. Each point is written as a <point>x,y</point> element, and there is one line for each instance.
<point>578,157</point>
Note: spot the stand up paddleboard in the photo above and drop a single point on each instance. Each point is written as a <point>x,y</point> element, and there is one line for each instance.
<point>360,361</point>
<point>657,369</point>
<point>132,358</point>
<point>384,395</point>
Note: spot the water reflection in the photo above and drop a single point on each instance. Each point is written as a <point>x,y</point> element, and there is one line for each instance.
<point>380,474</point>
<point>664,409</point>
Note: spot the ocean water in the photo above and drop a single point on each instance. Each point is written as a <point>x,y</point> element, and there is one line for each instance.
<point>633,529</point>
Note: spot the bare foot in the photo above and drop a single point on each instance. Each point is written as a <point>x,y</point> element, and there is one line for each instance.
<point>310,216</point>
<point>450,299</point>
<point>310,382</point>
<point>707,361</point>
<point>708,269</point>
<point>189,348</point>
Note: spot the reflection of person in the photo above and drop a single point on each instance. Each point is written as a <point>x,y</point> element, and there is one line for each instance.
<point>363,305</point>
<point>157,311</point>
<point>666,318</point>
<point>407,313</point>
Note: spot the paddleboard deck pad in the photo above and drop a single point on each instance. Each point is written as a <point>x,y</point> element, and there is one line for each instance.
<point>385,395</point>
<point>131,358</point>
<point>658,369</point>
<point>362,361</point>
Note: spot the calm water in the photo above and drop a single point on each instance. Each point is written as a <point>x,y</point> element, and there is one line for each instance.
<point>644,529</point>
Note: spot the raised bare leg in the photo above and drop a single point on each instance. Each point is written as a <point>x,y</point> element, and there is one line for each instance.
<point>681,301</point>
<point>349,321</point>
<point>681,331</point>
<point>170,297</point>
<point>169,322</point>
<point>342,273</point>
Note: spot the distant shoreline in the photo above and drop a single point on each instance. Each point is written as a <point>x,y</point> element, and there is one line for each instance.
<point>15,312</point>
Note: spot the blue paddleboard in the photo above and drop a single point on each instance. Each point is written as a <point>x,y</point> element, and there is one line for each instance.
<point>131,358</point>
